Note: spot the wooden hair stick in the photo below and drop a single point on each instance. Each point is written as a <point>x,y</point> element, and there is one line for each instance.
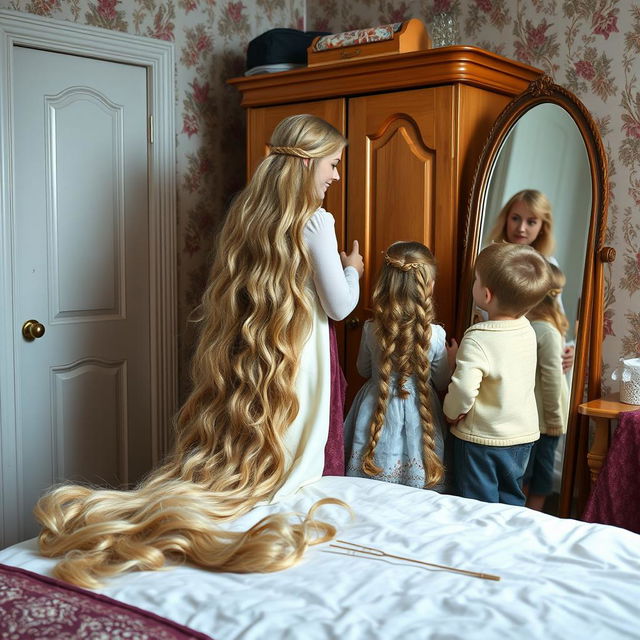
<point>354,548</point>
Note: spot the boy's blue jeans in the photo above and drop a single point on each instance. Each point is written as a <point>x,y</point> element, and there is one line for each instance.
<point>490,474</point>
<point>539,472</point>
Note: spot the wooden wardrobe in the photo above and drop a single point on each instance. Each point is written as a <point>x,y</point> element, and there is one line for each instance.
<point>416,125</point>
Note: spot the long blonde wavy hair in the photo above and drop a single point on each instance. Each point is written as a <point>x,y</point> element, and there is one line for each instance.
<point>402,314</point>
<point>229,452</point>
<point>540,207</point>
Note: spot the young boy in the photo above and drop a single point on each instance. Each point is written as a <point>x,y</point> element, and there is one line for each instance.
<point>490,401</point>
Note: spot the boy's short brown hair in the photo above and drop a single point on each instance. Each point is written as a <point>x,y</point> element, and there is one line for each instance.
<point>516,274</point>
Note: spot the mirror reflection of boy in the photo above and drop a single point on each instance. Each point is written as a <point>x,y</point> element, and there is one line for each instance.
<point>490,402</point>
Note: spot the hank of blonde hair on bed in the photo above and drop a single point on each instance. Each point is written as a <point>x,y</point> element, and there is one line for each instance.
<point>402,313</point>
<point>185,528</point>
<point>229,452</point>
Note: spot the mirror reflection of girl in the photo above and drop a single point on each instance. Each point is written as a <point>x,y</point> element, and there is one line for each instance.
<point>256,421</point>
<point>551,390</point>
<point>395,430</point>
<point>526,218</point>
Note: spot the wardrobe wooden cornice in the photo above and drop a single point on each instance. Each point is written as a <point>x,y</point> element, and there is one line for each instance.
<point>461,64</point>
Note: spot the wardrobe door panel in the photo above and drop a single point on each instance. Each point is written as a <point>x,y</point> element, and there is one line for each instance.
<point>401,187</point>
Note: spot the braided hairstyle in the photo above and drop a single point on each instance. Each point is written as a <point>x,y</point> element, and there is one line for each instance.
<point>402,315</point>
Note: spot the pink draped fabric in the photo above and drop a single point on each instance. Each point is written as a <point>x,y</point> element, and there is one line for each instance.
<point>615,498</point>
<point>334,449</point>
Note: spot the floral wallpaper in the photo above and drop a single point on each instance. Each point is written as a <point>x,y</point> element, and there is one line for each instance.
<point>211,38</point>
<point>591,47</point>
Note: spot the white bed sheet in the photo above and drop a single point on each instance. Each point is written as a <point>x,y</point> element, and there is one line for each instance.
<point>560,578</point>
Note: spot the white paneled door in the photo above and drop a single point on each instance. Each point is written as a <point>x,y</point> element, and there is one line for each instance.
<point>81,273</point>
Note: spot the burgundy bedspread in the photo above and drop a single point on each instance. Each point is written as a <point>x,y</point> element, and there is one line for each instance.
<point>37,607</point>
<point>615,498</point>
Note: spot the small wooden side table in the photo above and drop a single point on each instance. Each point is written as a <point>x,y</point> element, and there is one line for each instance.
<point>602,410</point>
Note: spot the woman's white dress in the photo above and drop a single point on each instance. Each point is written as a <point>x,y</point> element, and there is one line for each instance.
<point>334,292</point>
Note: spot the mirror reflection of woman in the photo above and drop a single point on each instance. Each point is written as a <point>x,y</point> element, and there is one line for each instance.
<point>526,218</point>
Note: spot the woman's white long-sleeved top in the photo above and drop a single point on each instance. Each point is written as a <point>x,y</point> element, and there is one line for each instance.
<point>338,288</point>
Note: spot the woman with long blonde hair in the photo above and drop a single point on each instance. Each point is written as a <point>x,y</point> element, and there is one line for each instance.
<point>256,422</point>
<point>395,429</point>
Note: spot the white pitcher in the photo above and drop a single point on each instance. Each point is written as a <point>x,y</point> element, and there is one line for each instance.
<point>629,375</point>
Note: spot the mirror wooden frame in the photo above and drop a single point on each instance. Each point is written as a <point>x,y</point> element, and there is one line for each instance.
<point>575,476</point>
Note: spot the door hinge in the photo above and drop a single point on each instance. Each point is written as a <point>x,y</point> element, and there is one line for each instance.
<point>150,128</point>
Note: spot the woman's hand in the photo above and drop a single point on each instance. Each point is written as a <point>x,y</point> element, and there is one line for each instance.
<point>568,354</point>
<point>452,351</point>
<point>353,259</point>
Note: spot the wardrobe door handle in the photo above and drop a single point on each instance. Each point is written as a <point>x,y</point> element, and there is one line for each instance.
<point>353,323</point>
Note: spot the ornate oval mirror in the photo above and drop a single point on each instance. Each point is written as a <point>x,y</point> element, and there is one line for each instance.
<point>546,140</point>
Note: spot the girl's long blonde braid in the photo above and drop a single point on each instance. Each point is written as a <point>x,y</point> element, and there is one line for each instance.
<point>229,453</point>
<point>403,313</point>
<point>386,338</point>
<point>434,469</point>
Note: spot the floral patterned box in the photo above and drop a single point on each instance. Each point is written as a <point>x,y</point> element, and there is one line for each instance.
<point>399,37</point>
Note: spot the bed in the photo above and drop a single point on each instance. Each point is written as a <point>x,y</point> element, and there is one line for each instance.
<point>558,578</point>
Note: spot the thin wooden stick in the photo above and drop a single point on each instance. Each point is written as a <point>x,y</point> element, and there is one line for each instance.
<point>354,548</point>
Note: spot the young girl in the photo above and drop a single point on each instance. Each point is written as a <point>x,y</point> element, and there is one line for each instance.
<point>256,422</point>
<point>395,428</point>
<point>551,390</point>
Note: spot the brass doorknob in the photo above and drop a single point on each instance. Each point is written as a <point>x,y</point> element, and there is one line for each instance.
<point>32,329</point>
<point>353,323</point>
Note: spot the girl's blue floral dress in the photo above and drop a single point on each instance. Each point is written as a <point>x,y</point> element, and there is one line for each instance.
<point>399,450</point>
